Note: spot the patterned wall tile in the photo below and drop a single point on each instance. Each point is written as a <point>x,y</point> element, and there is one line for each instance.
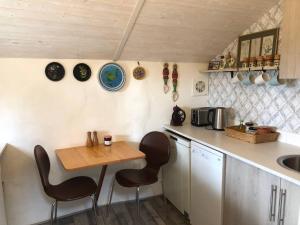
<point>268,105</point>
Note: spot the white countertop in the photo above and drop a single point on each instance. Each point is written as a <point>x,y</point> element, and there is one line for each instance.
<point>263,156</point>
<point>2,147</point>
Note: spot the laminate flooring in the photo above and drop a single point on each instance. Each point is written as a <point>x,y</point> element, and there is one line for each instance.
<point>153,211</point>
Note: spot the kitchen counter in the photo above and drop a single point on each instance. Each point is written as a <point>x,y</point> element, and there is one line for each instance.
<point>2,147</point>
<point>263,156</point>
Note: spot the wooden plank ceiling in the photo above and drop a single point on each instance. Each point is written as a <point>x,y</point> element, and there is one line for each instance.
<point>164,30</point>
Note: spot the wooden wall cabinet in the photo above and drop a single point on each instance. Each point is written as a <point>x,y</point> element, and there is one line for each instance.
<point>255,197</point>
<point>290,47</point>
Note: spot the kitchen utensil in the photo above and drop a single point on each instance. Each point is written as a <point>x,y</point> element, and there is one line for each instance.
<point>237,78</point>
<point>89,142</point>
<point>95,138</point>
<point>55,71</point>
<point>275,81</point>
<point>178,116</point>
<point>262,78</point>
<point>217,118</point>
<point>248,79</point>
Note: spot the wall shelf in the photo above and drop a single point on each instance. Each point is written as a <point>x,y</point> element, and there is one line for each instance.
<point>231,70</point>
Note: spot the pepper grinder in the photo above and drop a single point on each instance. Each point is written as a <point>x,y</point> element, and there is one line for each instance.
<point>95,138</point>
<point>89,142</point>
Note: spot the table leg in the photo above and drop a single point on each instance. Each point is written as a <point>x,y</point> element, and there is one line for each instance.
<point>100,182</point>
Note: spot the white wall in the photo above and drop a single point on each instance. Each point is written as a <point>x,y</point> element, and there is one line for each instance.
<point>35,110</point>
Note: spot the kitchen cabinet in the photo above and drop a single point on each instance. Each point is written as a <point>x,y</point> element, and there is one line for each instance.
<point>290,47</point>
<point>176,174</point>
<point>2,206</point>
<point>255,197</point>
<point>289,206</point>
<point>251,195</point>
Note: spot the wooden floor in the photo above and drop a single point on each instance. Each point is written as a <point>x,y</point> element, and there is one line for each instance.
<point>154,211</point>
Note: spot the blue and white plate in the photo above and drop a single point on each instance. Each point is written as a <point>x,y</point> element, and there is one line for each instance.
<point>112,77</point>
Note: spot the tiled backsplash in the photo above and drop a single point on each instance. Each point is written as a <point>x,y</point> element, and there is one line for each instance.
<point>268,105</point>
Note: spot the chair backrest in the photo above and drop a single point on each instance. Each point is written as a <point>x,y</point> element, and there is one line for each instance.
<point>43,164</point>
<point>156,147</point>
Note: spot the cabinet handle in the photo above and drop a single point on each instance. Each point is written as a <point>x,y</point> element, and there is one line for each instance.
<point>282,202</point>
<point>273,200</point>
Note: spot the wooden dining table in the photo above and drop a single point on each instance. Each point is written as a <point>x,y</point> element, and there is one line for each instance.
<point>81,157</point>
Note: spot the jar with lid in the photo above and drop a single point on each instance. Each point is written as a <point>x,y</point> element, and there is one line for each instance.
<point>268,60</point>
<point>252,62</point>
<point>276,60</point>
<point>259,61</point>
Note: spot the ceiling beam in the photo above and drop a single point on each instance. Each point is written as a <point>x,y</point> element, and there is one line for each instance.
<point>131,23</point>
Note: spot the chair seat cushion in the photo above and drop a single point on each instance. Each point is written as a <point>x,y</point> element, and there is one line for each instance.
<point>135,177</point>
<point>72,189</point>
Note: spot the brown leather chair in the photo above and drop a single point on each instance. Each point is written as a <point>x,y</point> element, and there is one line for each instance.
<point>69,190</point>
<point>156,147</point>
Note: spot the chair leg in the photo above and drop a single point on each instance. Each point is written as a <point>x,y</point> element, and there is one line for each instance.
<point>52,212</point>
<point>138,200</point>
<point>94,208</point>
<point>110,197</point>
<point>55,213</point>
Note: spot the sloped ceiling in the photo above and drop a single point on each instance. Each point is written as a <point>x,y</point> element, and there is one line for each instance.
<point>163,30</point>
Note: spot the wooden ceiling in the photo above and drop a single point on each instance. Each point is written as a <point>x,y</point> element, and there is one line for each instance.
<point>154,30</point>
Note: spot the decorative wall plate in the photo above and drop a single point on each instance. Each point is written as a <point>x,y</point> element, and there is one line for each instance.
<point>139,72</point>
<point>112,77</point>
<point>55,71</point>
<point>82,72</point>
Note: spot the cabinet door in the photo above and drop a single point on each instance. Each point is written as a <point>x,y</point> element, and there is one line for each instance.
<point>290,204</point>
<point>176,175</point>
<point>2,208</point>
<point>248,192</point>
<point>290,48</point>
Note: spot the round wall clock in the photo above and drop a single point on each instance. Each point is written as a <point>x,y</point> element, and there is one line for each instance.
<point>112,77</point>
<point>55,71</point>
<point>82,72</point>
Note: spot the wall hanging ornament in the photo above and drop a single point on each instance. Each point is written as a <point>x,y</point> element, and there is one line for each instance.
<point>55,71</point>
<point>175,81</point>
<point>139,72</point>
<point>112,77</point>
<point>166,77</point>
<point>82,72</point>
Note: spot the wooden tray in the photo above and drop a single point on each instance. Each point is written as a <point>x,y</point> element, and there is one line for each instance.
<point>235,132</point>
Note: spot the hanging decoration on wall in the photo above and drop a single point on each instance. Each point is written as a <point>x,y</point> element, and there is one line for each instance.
<point>175,82</point>
<point>82,72</point>
<point>139,72</point>
<point>166,77</point>
<point>55,71</point>
<point>112,77</point>
<point>200,86</point>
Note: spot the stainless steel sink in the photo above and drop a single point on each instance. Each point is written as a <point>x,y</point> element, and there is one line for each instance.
<point>290,162</point>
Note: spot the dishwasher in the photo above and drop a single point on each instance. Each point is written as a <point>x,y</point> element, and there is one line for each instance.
<point>176,173</point>
<point>207,176</point>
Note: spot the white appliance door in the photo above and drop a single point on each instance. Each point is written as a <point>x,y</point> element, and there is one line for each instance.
<point>176,174</point>
<point>206,185</point>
